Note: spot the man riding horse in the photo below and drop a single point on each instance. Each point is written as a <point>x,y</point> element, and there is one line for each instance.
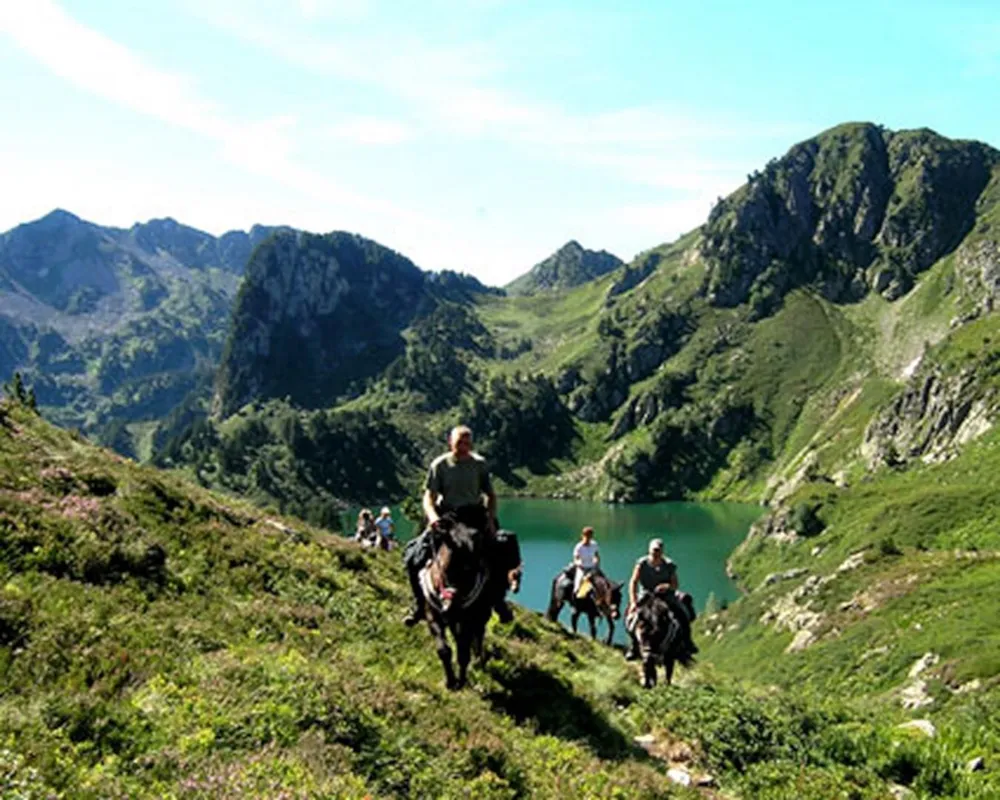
<point>656,575</point>
<point>457,483</point>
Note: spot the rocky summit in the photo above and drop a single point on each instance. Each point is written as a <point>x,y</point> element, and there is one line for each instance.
<point>569,266</point>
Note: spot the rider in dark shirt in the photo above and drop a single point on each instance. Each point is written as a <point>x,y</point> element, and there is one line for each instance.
<point>653,571</point>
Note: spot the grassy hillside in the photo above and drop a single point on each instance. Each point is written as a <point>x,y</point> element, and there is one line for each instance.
<point>160,641</point>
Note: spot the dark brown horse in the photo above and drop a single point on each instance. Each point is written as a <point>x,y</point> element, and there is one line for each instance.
<point>462,584</point>
<point>603,600</point>
<point>657,629</point>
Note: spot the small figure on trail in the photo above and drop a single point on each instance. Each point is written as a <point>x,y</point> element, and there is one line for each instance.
<point>655,574</point>
<point>457,484</point>
<point>386,528</point>
<point>365,532</point>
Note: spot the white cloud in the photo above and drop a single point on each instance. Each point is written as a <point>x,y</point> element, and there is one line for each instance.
<point>343,9</point>
<point>99,65</point>
<point>370,131</point>
<point>451,90</point>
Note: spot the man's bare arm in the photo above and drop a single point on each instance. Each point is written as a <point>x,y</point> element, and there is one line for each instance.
<point>633,584</point>
<point>429,508</point>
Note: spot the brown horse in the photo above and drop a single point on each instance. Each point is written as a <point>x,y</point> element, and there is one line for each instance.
<point>461,591</point>
<point>603,600</point>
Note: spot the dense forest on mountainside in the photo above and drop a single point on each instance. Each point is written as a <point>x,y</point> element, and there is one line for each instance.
<point>729,363</point>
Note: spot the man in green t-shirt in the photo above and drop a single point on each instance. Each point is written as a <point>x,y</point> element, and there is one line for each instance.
<point>457,483</point>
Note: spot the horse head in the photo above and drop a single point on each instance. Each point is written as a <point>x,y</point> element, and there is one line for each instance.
<point>606,595</point>
<point>655,628</point>
<point>456,572</point>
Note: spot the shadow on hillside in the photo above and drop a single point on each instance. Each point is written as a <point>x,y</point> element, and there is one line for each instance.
<point>533,694</point>
<point>509,477</point>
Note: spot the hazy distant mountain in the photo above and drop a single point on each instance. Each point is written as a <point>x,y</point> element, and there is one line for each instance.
<point>114,323</point>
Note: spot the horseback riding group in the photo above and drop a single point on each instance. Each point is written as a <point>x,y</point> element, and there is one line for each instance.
<point>462,565</point>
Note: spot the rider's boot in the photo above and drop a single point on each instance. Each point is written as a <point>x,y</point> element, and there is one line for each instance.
<point>417,610</point>
<point>504,614</point>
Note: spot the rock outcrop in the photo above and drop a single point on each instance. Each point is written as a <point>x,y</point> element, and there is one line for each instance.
<point>314,314</point>
<point>856,209</point>
<point>935,414</point>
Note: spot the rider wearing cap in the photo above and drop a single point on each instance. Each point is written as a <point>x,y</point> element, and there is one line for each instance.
<point>652,571</point>
<point>457,482</point>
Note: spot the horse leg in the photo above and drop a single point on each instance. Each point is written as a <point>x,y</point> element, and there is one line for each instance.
<point>479,649</point>
<point>463,641</point>
<point>611,630</point>
<point>574,619</point>
<point>668,670</point>
<point>592,619</point>
<point>649,673</point>
<point>443,651</point>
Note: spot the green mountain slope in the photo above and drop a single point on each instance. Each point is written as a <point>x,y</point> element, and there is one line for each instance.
<point>157,640</point>
<point>729,363</point>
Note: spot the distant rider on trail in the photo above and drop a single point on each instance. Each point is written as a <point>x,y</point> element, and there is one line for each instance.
<point>457,483</point>
<point>386,528</point>
<point>586,560</point>
<point>652,571</point>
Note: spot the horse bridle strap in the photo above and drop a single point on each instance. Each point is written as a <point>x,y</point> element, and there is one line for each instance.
<point>434,597</point>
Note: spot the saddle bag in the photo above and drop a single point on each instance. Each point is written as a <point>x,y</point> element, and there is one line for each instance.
<point>508,551</point>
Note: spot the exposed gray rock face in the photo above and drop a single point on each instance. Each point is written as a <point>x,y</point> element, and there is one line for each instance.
<point>314,314</point>
<point>598,395</point>
<point>856,209</point>
<point>635,273</point>
<point>930,418</point>
<point>978,266</point>
<point>111,322</point>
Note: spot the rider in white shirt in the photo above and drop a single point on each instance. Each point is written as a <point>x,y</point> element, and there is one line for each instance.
<point>586,557</point>
<point>386,527</point>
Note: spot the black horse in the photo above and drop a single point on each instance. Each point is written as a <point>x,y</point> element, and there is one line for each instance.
<point>657,629</point>
<point>603,600</point>
<point>462,590</point>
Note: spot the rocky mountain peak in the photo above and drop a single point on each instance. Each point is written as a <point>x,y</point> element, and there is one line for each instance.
<point>571,265</point>
<point>856,209</point>
<point>315,314</point>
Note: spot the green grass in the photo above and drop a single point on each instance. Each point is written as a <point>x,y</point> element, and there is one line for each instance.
<point>262,657</point>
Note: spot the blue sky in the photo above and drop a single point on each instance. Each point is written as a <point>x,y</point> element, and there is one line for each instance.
<point>477,135</point>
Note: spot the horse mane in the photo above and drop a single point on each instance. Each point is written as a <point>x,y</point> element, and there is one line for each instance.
<point>462,537</point>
